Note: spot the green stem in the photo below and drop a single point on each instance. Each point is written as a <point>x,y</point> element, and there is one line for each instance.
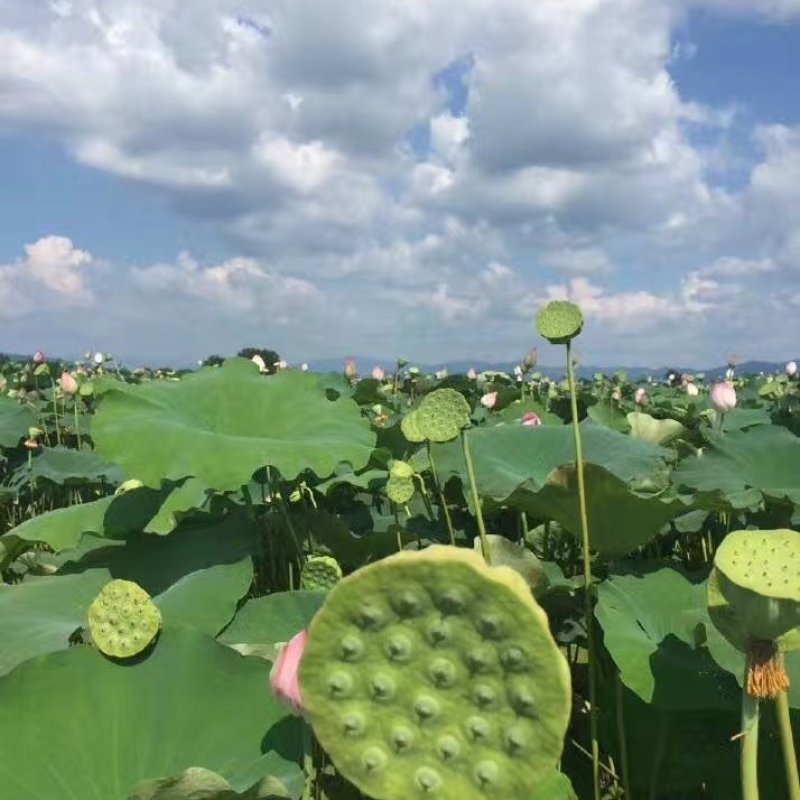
<point>308,762</point>
<point>787,745</point>
<point>55,414</point>
<point>749,735</point>
<point>623,742</point>
<point>442,501</point>
<point>77,423</point>
<point>661,748</point>
<point>587,577</point>
<point>476,501</point>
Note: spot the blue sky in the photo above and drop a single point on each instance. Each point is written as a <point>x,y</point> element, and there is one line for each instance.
<point>388,180</point>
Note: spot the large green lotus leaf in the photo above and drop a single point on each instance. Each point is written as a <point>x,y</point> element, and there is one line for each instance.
<point>221,424</point>
<point>506,553</point>
<point>555,787</point>
<point>657,431</point>
<point>39,615</point>
<point>207,599</point>
<point>657,630</point>
<point>620,520</point>
<point>15,420</point>
<point>765,458</point>
<point>77,725</point>
<point>262,623</point>
<point>64,465</point>
<point>514,413</point>
<point>157,562</point>
<point>507,456</point>
<point>181,500</point>
<point>609,415</point>
<point>285,780</point>
<point>111,517</point>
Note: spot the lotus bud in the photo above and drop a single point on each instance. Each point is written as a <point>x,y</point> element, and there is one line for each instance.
<point>99,358</point>
<point>378,373</point>
<point>640,397</point>
<point>723,397</point>
<point>283,677</point>
<point>518,372</point>
<point>691,389</point>
<point>531,418</point>
<point>441,374</point>
<point>791,369</point>
<point>31,444</point>
<point>489,400</point>
<point>471,374</point>
<point>259,362</point>
<point>304,367</point>
<point>530,360</point>
<point>68,383</point>
<point>350,368</point>
<point>38,357</point>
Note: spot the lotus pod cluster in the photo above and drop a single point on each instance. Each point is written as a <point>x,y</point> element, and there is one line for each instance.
<point>441,415</point>
<point>559,321</point>
<point>320,573</point>
<point>754,588</point>
<point>400,486</point>
<point>123,619</point>
<point>432,675</point>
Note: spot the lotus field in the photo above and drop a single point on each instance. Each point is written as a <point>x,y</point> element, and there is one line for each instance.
<point>256,581</point>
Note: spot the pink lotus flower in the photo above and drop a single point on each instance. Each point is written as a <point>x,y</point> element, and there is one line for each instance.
<point>530,418</point>
<point>38,357</point>
<point>723,397</point>
<point>349,368</point>
<point>283,678</point>
<point>68,383</point>
<point>640,397</point>
<point>489,400</point>
<point>471,374</point>
<point>378,374</point>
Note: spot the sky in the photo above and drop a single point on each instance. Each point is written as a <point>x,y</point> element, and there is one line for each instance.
<point>387,178</point>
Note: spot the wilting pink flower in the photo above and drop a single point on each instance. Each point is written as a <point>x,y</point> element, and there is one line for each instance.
<point>723,397</point>
<point>38,357</point>
<point>489,400</point>
<point>378,374</point>
<point>791,369</point>
<point>68,383</point>
<point>349,368</point>
<point>640,397</point>
<point>530,418</point>
<point>471,374</point>
<point>283,677</point>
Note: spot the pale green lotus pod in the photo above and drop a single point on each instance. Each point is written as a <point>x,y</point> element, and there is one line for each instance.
<point>399,490</point>
<point>123,619</point>
<point>754,589</point>
<point>442,414</point>
<point>127,486</point>
<point>429,674</point>
<point>559,321</point>
<point>320,573</point>
<point>409,425</point>
<point>401,469</point>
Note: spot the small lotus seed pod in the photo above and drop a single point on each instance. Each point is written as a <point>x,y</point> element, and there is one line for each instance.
<point>123,619</point>
<point>399,490</point>
<point>442,414</point>
<point>320,573</point>
<point>559,321</point>
<point>444,702</point>
<point>401,469</point>
<point>409,425</point>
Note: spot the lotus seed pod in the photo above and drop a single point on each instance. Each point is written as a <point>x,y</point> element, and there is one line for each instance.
<point>442,414</point>
<point>123,619</point>
<point>429,674</point>
<point>399,490</point>
<point>754,588</point>
<point>559,321</point>
<point>409,425</point>
<point>401,469</point>
<point>320,573</point>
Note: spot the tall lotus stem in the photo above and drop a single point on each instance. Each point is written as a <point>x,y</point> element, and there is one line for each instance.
<point>442,499</point>
<point>787,745</point>
<point>476,501</point>
<point>749,736</point>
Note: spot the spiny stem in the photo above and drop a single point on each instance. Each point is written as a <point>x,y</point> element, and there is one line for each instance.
<point>587,577</point>
<point>787,745</point>
<point>749,756</point>
<point>476,501</point>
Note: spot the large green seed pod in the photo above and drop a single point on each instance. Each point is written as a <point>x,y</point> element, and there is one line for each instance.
<point>409,425</point>
<point>754,589</point>
<point>399,490</point>
<point>559,321</point>
<point>442,414</point>
<point>123,619</point>
<point>431,675</point>
<point>401,469</point>
<point>320,573</point>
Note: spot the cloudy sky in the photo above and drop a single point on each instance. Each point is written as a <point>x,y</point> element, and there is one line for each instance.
<point>390,177</point>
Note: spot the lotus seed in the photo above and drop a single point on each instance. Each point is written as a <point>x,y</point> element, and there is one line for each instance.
<point>448,747</point>
<point>426,708</point>
<point>398,647</point>
<point>442,672</point>
<point>340,684</point>
<point>490,626</point>
<point>484,695</point>
<point>478,728</point>
<point>351,648</point>
<point>480,658</point>
<point>371,617</point>
<point>373,758</point>
<point>382,687</point>
<point>402,737</point>
<point>451,602</point>
<point>408,604</point>
<point>521,699</point>
<point>353,724</point>
<point>439,633</point>
<point>486,773</point>
<point>513,659</point>
<point>515,740</point>
<point>427,779</point>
